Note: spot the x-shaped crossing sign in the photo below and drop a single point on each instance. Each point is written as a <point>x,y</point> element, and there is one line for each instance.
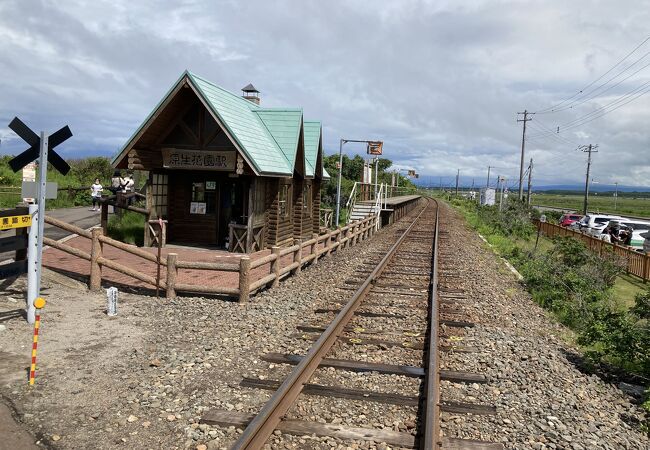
<point>33,151</point>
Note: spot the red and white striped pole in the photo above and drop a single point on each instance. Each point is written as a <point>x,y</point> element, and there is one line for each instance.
<point>38,304</point>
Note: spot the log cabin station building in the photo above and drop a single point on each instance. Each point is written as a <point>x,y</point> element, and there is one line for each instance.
<point>225,172</point>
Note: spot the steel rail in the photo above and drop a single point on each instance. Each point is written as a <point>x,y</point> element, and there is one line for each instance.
<point>265,422</point>
<point>431,438</point>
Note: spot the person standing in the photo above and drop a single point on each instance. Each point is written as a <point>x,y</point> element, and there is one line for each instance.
<point>129,187</point>
<point>96,194</point>
<point>116,182</point>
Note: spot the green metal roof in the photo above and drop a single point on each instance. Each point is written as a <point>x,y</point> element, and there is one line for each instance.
<point>245,126</point>
<point>312,143</point>
<point>268,137</point>
<point>284,127</point>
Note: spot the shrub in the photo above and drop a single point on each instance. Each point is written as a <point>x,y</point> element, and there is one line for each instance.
<point>513,220</point>
<point>129,228</point>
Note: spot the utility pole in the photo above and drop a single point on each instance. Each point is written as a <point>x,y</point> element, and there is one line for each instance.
<point>487,185</point>
<point>457,176</point>
<point>589,149</point>
<point>338,185</point>
<point>523,145</point>
<point>530,176</point>
<point>501,181</point>
<point>615,195</point>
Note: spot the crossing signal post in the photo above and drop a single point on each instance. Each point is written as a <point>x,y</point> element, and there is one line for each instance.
<point>41,148</point>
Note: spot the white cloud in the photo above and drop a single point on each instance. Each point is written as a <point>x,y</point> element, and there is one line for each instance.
<point>439,81</point>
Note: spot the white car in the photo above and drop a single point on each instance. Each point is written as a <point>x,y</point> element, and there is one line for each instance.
<point>638,227</point>
<point>646,242</point>
<point>594,224</point>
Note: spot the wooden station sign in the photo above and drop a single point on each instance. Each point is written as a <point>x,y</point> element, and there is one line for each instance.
<point>198,160</point>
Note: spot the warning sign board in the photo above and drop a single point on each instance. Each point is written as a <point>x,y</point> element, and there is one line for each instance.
<point>15,222</point>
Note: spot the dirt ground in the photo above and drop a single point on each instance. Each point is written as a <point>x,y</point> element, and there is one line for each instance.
<point>144,378</point>
<point>77,342</point>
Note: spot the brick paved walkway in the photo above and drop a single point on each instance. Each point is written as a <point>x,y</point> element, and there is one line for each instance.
<point>76,267</point>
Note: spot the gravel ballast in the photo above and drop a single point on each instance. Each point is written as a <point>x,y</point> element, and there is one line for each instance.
<point>543,399</point>
<point>145,378</point>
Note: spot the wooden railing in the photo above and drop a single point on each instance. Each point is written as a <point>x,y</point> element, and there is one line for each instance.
<point>318,246</point>
<point>636,263</point>
<point>239,241</point>
<point>325,217</point>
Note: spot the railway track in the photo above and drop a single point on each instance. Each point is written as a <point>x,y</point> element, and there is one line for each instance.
<point>389,330</point>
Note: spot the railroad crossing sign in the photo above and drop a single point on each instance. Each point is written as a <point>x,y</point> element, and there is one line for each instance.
<point>34,141</point>
<point>41,148</point>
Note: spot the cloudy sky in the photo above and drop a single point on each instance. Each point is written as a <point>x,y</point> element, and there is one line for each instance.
<point>440,82</point>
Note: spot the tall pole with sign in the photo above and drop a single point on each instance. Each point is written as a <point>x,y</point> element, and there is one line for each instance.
<point>40,225</point>
<point>338,186</point>
<point>41,147</point>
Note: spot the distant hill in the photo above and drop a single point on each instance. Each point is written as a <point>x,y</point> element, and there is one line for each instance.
<point>559,188</point>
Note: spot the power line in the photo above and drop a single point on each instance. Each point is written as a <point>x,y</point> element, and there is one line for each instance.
<point>581,102</point>
<point>603,110</point>
<point>545,132</point>
<point>552,108</point>
<point>594,93</point>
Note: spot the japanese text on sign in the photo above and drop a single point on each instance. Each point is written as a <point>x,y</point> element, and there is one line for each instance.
<point>375,147</point>
<point>15,222</point>
<point>200,160</point>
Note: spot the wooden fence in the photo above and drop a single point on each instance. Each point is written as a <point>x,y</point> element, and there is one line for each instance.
<point>636,263</point>
<point>318,245</point>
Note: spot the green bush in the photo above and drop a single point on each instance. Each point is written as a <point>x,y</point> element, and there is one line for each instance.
<point>128,227</point>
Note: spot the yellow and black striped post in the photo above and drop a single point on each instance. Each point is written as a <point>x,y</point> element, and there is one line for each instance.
<point>38,304</point>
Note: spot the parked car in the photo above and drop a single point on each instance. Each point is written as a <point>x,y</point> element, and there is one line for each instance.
<point>637,227</point>
<point>569,219</point>
<point>595,223</point>
<point>623,230</point>
<point>646,242</point>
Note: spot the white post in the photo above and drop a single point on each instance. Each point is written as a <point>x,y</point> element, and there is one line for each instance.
<point>32,292</point>
<point>35,251</point>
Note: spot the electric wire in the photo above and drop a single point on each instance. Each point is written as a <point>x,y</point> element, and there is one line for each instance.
<point>544,132</point>
<point>583,122</point>
<point>609,107</point>
<point>552,108</point>
<point>597,92</point>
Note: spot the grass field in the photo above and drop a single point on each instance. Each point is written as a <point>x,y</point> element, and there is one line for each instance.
<point>597,203</point>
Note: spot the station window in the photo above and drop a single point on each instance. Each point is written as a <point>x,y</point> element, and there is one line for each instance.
<point>159,183</point>
<point>306,199</point>
<point>284,200</point>
<point>203,192</point>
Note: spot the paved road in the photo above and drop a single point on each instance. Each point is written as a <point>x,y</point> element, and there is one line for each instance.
<point>79,216</point>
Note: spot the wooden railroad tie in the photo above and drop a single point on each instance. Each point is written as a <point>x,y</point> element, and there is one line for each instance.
<point>239,419</point>
<point>389,369</point>
<point>370,396</point>
<point>379,342</point>
<point>448,322</point>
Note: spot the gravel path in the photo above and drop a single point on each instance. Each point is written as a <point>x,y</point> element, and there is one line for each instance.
<point>143,379</point>
<point>544,401</point>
